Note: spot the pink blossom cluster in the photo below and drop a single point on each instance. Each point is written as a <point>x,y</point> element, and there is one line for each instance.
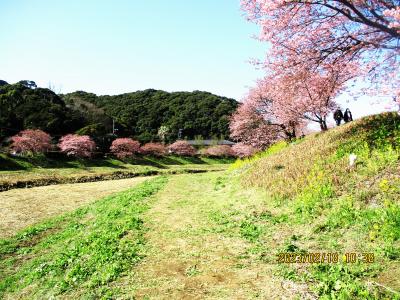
<point>314,35</point>
<point>182,148</point>
<point>394,15</point>
<point>249,126</point>
<point>156,149</point>
<point>318,49</point>
<point>219,150</point>
<point>242,150</point>
<point>31,141</point>
<point>81,146</point>
<point>124,147</point>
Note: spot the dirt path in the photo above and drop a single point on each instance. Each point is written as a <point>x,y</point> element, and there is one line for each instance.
<point>23,207</point>
<point>189,258</point>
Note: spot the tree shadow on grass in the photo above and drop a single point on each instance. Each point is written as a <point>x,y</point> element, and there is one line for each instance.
<point>7,164</point>
<point>93,163</point>
<point>15,163</point>
<point>57,160</point>
<point>146,161</point>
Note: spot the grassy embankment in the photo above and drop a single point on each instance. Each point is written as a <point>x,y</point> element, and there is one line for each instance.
<point>16,172</point>
<point>320,204</point>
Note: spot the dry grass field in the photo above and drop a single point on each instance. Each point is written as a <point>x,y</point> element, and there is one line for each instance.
<point>21,208</point>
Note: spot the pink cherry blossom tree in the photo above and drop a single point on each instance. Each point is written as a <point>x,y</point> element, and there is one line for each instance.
<point>81,146</point>
<point>308,95</point>
<point>182,148</point>
<point>259,122</point>
<point>313,34</point>
<point>248,126</point>
<point>31,141</point>
<point>241,150</point>
<point>124,147</point>
<point>156,149</point>
<point>219,151</point>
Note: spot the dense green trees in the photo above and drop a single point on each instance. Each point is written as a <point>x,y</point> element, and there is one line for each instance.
<point>24,107</point>
<point>139,115</point>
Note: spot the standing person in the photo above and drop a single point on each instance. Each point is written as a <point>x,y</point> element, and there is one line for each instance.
<point>348,117</point>
<point>338,116</point>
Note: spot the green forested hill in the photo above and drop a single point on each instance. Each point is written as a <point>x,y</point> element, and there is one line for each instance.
<point>23,107</point>
<point>142,113</point>
<point>139,114</point>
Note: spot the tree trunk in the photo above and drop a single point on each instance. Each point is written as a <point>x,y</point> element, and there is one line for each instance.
<point>323,125</point>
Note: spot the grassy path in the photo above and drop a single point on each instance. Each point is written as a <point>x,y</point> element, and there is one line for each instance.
<point>190,256</point>
<point>77,255</point>
<point>24,207</point>
<point>188,236</point>
<point>164,239</point>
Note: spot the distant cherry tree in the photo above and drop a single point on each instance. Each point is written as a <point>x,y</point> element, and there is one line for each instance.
<point>258,123</point>
<point>81,146</point>
<point>219,151</point>
<point>156,149</point>
<point>124,147</point>
<point>31,141</point>
<point>241,150</point>
<point>182,148</point>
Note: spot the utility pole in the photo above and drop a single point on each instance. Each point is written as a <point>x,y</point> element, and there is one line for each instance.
<point>113,127</point>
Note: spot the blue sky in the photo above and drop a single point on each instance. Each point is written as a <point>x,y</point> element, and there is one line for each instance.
<point>112,47</point>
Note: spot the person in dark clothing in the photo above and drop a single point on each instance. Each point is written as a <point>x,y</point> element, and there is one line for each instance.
<point>338,116</point>
<point>348,117</point>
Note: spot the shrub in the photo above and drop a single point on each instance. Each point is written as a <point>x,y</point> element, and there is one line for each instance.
<point>31,141</point>
<point>219,150</point>
<point>124,147</point>
<point>241,150</point>
<point>155,149</point>
<point>77,145</point>
<point>182,148</point>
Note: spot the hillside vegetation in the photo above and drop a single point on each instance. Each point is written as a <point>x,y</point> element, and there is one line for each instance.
<point>139,114</point>
<point>142,113</point>
<point>318,203</point>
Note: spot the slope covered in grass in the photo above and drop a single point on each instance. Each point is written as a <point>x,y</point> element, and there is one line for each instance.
<point>318,203</point>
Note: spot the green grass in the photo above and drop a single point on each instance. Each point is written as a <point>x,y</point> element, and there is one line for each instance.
<point>81,252</point>
<point>40,170</point>
<point>33,163</point>
<point>331,207</point>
